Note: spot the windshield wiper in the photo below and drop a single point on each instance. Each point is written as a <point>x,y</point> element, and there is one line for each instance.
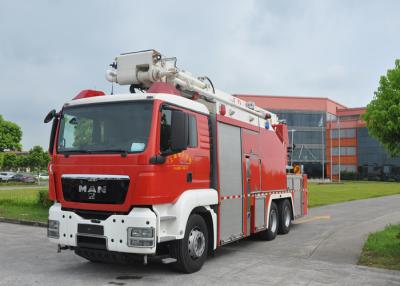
<point>66,153</point>
<point>123,152</point>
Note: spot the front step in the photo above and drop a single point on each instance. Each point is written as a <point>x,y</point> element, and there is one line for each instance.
<point>168,260</point>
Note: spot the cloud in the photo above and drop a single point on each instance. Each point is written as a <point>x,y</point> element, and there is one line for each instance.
<point>53,49</point>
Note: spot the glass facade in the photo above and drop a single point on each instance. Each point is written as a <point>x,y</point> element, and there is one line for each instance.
<point>373,160</point>
<point>307,130</point>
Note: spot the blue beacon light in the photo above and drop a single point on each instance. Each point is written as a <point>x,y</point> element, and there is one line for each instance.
<point>267,124</point>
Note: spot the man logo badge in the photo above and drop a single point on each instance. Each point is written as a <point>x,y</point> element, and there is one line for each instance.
<point>92,191</point>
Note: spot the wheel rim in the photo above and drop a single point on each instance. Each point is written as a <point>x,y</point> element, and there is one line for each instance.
<point>273,219</point>
<point>287,216</point>
<point>196,243</point>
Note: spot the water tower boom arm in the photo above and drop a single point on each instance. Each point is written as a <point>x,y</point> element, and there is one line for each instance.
<point>146,67</point>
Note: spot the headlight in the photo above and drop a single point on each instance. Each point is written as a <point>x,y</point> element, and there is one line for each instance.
<point>146,232</point>
<point>140,236</point>
<point>53,229</point>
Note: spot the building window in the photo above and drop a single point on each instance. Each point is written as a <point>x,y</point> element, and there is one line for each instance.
<point>344,151</point>
<point>344,133</point>
<point>307,137</point>
<point>344,168</point>
<point>349,117</point>
<point>330,117</point>
<point>304,154</point>
<point>303,119</point>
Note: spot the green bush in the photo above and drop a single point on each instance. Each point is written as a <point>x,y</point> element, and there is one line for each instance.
<point>43,199</point>
<point>345,175</point>
<point>1,160</point>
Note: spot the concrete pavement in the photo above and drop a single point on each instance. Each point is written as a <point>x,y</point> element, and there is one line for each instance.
<point>321,250</point>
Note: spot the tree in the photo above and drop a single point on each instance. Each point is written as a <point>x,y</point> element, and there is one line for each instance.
<point>1,160</point>
<point>10,135</point>
<point>22,162</point>
<point>37,159</point>
<point>383,112</point>
<point>9,161</point>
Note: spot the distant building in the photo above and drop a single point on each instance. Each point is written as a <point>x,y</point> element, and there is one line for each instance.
<point>314,125</point>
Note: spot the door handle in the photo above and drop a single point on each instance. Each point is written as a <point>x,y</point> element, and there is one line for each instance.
<point>189,177</point>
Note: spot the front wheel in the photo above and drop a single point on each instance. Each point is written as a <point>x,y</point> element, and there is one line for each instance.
<point>191,251</point>
<point>273,222</point>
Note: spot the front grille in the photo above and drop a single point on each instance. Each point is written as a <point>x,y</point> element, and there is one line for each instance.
<point>90,229</point>
<point>96,189</point>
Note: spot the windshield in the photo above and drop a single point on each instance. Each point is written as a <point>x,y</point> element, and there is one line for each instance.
<point>105,128</point>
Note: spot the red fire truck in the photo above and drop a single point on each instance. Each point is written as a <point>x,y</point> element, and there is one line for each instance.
<point>171,171</point>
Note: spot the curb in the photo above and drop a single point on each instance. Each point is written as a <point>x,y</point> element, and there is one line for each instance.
<point>23,222</point>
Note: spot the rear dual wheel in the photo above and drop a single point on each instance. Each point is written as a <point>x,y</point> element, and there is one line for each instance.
<point>280,220</point>
<point>285,217</point>
<point>273,223</point>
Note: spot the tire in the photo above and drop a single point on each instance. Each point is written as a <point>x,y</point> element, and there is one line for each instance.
<point>191,251</point>
<point>285,217</point>
<point>273,223</point>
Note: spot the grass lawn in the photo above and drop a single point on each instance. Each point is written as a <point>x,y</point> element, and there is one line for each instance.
<point>325,194</point>
<point>22,204</point>
<point>382,249</point>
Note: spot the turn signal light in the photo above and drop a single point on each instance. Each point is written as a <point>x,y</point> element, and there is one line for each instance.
<point>53,229</point>
<point>222,109</point>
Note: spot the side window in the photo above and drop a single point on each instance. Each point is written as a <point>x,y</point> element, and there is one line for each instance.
<point>192,140</point>
<point>165,130</point>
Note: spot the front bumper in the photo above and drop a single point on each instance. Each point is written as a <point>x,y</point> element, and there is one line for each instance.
<point>115,229</point>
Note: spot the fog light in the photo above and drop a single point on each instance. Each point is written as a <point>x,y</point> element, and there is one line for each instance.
<point>53,229</point>
<point>140,243</point>
<point>140,237</point>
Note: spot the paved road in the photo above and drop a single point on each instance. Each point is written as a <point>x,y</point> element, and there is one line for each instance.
<point>323,250</point>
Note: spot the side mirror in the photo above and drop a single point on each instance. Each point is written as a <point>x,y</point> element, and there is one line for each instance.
<point>179,131</point>
<point>49,117</point>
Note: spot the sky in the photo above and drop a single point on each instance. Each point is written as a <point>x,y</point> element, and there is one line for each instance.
<point>51,50</point>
